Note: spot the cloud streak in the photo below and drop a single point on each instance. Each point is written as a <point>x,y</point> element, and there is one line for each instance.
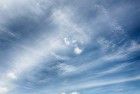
<point>94,84</point>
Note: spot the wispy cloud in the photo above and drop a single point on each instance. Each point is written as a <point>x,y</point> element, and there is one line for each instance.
<point>114,69</point>
<point>65,46</point>
<point>100,83</point>
<point>66,69</point>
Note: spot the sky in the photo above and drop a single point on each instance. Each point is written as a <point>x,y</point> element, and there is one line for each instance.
<point>69,47</point>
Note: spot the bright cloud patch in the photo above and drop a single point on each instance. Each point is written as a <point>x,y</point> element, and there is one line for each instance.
<point>3,90</point>
<point>11,75</point>
<point>77,50</point>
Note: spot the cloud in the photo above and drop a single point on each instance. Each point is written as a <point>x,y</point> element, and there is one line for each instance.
<point>113,22</point>
<point>63,93</point>
<point>60,57</point>
<point>70,30</point>
<point>134,46</point>
<point>27,59</point>
<point>77,50</point>
<point>75,39</point>
<point>11,75</point>
<point>121,54</point>
<point>75,92</point>
<point>66,69</point>
<point>86,66</point>
<point>3,90</point>
<point>100,83</point>
<point>67,42</point>
<point>114,69</point>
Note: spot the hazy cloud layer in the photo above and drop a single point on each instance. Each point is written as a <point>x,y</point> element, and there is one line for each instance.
<point>69,47</point>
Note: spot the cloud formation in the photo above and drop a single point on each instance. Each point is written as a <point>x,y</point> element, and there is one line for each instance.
<point>69,47</point>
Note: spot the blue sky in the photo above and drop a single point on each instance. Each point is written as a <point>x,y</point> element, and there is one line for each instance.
<point>69,47</point>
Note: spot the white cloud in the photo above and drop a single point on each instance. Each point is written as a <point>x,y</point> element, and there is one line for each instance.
<point>99,83</point>
<point>57,56</point>
<point>3,90</point>
<point>77,50</point>
<point>134,46</point>
<point>115,69</point>
<point>121,54</point>
<point>97,63</point>
<point>64,19</point>
<point>63,93</point>
<point>113,22</point>
<point>66,69</point>
<point>11,75</point>
<point>61,17</point>
<point>75,92</point>
<point>27,59</point>
<point>105,44</point>
<point>67,42</point>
